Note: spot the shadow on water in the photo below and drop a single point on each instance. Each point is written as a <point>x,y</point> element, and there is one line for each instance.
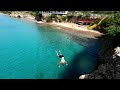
<point>92,44</point>
<point>71,72</point>
<point>41,75</point>
<point>92,48</point>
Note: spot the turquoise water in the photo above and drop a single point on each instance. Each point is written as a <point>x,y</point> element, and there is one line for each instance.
<point>27,51</point>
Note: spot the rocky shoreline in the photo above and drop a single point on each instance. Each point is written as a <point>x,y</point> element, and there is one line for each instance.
<point>21,14</point>
<point>109,57</point>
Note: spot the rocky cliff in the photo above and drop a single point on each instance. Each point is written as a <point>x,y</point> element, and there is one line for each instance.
<point>109,57</point>
<point>22,14</point>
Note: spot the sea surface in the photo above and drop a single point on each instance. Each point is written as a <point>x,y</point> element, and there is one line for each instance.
<point>27,51</point>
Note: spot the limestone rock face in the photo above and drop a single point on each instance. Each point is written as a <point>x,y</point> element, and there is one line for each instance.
<point>22,14</point>
<point>109,57</point>
<point>117,51</point>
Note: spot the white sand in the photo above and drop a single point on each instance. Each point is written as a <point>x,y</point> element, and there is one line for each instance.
<point>75,26</point>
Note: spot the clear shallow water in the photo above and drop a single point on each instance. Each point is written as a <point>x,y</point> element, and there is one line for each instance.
<point>27,51</point>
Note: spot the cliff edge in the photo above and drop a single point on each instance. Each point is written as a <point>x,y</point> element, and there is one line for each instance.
<point>109,60</point>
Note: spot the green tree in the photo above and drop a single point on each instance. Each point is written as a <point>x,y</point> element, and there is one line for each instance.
<point>34,13</point>
<point>64,18</point>
<point>49,19</point>
<point>112,25</point>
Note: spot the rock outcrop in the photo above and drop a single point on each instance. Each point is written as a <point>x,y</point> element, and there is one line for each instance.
<point>38,17</point>
<point>22,14</point>
<point>109,58</point>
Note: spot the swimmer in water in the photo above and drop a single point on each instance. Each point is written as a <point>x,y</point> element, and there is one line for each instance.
<point>63,62</point>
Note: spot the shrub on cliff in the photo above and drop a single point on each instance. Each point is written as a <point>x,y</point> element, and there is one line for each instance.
<point>51,17</point>
<point>34,13</point>
<point>113,30</point>
<point>104,12</point>
<point>112,25</point>
<point>62,18</point>
<point>56,18</point>
<point>6,12</point>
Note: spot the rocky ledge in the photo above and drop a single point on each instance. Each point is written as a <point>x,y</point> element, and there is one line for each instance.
<point>109,65</point>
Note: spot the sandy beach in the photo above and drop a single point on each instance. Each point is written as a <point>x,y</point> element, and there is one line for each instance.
<point>81,29</point>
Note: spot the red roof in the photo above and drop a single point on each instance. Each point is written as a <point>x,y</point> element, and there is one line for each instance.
<point>90,21</point>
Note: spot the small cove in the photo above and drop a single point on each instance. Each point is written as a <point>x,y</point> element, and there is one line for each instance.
<point>27,51</point>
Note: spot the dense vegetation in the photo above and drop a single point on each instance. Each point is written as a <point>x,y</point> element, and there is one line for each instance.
<point>104,12</point>
<point>56,18</point>
<point>112,25</point>
<point>6,12</point>
<point>34,13</point>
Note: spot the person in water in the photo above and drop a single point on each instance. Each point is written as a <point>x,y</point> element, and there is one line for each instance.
<point>63,62</point>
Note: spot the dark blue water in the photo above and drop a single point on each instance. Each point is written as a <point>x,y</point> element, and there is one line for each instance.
<point>27,51</point>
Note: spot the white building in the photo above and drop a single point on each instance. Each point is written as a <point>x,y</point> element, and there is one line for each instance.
<point>54,12</point>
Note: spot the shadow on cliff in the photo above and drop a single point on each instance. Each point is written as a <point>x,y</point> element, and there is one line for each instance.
<point>73,71</point>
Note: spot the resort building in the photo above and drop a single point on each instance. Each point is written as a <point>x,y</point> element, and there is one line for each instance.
<point>54,12</point>
<point>47,13</point>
